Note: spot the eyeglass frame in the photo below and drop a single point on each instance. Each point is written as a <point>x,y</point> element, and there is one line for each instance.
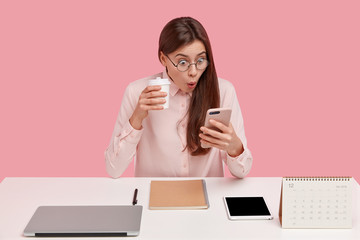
<point>188,67</point>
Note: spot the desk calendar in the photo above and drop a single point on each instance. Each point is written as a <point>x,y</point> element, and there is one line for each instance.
<point>316,202</point>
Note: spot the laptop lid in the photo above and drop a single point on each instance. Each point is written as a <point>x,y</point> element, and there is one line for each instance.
<point>83,221</point>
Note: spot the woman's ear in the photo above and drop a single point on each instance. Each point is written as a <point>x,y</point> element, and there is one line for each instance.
<point>162,58</point>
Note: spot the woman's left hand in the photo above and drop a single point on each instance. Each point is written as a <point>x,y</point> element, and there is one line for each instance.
<point>226,140</point>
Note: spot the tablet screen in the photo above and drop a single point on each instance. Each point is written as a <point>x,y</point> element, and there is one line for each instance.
<point>247,207</point>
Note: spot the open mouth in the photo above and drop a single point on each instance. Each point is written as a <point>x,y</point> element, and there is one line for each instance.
<point>191,85</point>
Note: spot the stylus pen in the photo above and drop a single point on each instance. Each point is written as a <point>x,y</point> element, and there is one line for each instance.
<point>135,197</point>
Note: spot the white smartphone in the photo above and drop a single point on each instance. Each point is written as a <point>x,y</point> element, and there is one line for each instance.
<point>222,115</point>
<point>247,208</point>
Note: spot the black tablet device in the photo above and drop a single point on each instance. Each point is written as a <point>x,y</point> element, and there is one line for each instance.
<point>239,208</point>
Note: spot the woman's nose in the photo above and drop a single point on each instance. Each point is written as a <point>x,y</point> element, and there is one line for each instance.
<point>192,70</point>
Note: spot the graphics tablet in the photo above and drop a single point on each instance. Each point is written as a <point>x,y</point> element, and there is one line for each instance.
<point>241,208</point>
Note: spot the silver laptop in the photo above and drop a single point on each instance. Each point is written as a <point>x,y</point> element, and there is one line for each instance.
<point>85,221</point>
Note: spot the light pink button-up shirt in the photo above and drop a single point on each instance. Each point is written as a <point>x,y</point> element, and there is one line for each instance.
<point>158,148</point>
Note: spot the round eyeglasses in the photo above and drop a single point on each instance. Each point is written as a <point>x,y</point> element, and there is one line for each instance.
<point>184,65</point>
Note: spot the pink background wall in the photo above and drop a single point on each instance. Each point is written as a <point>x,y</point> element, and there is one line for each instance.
<point>64,66</point>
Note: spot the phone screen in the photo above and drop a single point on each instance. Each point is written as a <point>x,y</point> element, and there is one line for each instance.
<point>243,207</point>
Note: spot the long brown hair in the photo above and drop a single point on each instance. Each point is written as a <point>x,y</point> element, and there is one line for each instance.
<point>180,32</point>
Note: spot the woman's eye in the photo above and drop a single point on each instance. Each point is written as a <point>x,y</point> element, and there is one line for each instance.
<point>200,60</point>
<point>182,62</point>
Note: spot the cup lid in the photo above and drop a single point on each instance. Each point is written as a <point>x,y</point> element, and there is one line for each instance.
<point>158,81</point>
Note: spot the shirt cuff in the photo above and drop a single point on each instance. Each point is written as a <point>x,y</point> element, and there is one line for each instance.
<point>129,134</point>
<point>240,166</point>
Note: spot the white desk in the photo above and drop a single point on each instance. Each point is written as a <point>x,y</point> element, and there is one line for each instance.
<point>19,197</point>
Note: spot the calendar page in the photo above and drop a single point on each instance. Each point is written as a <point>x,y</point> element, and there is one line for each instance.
<point>316,202</point>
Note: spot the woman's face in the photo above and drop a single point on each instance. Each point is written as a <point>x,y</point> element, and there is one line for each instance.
<point>194,52</point>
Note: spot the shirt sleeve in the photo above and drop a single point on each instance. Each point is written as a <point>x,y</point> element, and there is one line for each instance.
<point>238,166</point>
<point>124,139</point>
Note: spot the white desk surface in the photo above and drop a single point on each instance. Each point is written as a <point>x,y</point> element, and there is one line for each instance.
<point>19,198</point>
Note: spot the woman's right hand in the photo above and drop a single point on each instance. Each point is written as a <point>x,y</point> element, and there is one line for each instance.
<point>149,99</point>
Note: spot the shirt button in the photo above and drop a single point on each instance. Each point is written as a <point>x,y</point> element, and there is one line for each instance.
<point>182,105</point>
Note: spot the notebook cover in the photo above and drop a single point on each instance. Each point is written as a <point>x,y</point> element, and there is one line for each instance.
<point>186,194</point>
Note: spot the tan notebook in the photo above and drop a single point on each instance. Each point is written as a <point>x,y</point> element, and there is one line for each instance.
<point>183,194</point>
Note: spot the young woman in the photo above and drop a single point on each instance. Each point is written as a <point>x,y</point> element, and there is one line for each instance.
<point>167,142</point>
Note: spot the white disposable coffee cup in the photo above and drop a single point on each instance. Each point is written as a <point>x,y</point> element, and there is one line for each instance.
<point>165,87</point>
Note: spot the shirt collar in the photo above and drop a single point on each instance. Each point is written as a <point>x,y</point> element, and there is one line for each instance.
<point>173,88</point>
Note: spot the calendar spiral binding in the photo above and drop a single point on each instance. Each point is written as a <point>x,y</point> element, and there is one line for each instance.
<point>318,178</point>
